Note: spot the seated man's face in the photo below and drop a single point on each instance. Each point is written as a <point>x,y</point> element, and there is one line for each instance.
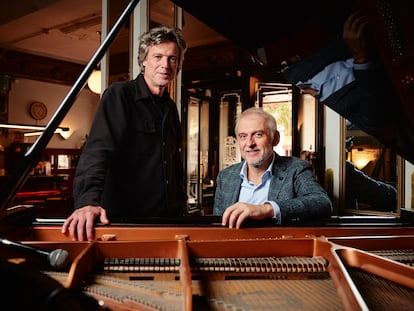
<point>256,146</point>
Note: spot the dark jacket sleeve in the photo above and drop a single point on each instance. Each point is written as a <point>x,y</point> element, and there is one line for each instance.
<point>106,133</point>
<point>227,188</point>
<point>297,192</point>
<point>361,188</point>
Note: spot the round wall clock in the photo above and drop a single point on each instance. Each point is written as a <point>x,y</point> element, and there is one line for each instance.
<point>38,110</point>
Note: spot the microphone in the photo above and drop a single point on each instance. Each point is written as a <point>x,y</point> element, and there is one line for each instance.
<point>57,258</point>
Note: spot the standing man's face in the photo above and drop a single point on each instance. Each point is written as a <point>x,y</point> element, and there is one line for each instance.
<point>161,66</point>
<point>255,142</point>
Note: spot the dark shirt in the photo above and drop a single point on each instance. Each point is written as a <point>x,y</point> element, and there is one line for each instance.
<point>131,163</point>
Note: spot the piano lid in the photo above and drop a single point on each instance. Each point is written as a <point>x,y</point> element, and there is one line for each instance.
<point>283,31</point>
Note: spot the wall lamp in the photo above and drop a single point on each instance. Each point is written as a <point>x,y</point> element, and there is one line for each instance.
<point>94,81</point>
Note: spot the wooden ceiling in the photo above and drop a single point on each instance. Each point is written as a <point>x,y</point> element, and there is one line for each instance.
<point>53,40</point>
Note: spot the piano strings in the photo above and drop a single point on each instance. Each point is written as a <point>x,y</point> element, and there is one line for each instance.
<point>292,264</point>
<point>250,283</point>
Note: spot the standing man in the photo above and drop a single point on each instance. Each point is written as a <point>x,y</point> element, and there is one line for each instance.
<point>266,185</point>
<point>131,165</point>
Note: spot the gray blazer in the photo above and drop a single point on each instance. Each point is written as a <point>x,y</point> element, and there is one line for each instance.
<point>293,187</point>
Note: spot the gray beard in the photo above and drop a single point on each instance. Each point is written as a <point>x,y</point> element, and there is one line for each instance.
<point>258,162</point>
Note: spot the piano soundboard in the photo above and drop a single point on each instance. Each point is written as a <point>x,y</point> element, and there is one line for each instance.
<point>369,272</point>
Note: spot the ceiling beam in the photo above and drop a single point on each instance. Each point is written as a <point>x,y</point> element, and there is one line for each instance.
<point>11,10</point>
<point>24,65</point>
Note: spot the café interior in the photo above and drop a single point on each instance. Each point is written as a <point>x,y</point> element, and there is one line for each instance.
<point>57,57</point>
<point>45,47</point>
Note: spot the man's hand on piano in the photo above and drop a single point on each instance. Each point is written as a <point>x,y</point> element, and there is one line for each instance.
<point>237,213</point>
<point>80,224</point>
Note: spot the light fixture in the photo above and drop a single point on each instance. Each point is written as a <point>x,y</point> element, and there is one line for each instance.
<point>22,126</point>
<point>36,129</point>
<point>37,133</point>
<point>94,81</point>
<point>63,132</point>
<point>362,156</point>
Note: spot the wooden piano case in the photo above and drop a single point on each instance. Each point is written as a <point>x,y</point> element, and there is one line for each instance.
<point>214,268</point>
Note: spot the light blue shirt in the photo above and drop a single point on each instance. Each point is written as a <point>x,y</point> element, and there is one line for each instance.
<point>333,77</point>
<point>257,194</point>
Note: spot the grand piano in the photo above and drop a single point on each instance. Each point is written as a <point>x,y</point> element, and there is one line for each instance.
<point>341,263</point>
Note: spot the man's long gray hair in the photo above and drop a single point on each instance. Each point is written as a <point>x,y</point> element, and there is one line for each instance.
<point>157,35</point>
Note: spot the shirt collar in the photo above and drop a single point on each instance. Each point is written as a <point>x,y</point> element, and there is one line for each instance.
<point>142,90</point>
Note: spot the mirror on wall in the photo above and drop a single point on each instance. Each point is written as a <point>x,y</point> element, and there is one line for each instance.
<point>198,168</point>
<point>371,174</point>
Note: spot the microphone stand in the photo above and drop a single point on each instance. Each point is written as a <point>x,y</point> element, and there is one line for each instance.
<point>17,180</point>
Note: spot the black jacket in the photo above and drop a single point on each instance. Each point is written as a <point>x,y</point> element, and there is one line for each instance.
<point>131,163</point>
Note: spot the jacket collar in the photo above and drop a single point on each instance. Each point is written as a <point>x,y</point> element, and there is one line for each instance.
<point>142,91</point>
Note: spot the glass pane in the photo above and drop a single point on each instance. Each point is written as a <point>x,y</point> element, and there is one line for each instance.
<point>198,179</point>
<point>192,152</point>
<point>371,173</point>
<point>63,161</point>
<point>277,100</point>
<point>230,107</point>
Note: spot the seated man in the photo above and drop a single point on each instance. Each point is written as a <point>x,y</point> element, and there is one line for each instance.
<point>266,185</point>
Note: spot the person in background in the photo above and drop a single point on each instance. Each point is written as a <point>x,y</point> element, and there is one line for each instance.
<point>131,166</point>
<point>337,64</point>
<point>365,192</point>
<point>344,75</point>
<point>265,185</point>
<point>347,75</point>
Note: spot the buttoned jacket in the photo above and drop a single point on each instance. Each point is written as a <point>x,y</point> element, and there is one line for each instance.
<point>292,186</point>
<point>131,164</point>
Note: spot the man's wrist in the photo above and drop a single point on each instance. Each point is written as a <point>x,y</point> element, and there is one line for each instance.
<point>276,210</point>
<point>269,210</point>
